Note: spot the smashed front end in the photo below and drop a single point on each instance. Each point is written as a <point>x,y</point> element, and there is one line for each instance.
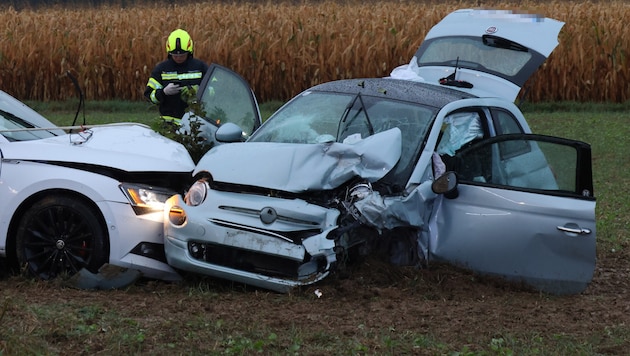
<point>285,224</point>
<point>268,242</point>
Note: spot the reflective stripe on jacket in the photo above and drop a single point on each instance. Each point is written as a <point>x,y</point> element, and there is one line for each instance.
<point>188,73</point>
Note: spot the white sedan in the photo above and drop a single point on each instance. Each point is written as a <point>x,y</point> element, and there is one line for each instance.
<point>76,201</point>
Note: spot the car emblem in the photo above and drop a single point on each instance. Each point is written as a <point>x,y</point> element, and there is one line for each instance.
<point>491,29</point>
<point>268,215</point>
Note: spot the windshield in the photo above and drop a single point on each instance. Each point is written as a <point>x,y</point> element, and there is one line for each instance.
<point>488,54</point>
<point>316,117</point>
<point>15,129</point>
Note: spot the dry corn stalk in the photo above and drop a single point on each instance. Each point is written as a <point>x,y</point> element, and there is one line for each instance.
<point>283,48</point>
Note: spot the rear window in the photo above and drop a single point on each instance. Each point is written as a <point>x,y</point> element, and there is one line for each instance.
<point>473,53</point>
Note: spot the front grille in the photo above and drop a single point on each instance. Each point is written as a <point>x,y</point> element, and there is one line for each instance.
<point>245,260</point>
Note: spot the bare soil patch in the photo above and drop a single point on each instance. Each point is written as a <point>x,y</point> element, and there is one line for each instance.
<point>457,308</point>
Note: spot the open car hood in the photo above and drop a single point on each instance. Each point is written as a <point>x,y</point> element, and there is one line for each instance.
<point>296,168</point>
<point>488,53</point>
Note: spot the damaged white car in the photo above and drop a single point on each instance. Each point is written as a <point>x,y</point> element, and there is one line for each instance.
<point>76,199</point>
<point>434,163</point>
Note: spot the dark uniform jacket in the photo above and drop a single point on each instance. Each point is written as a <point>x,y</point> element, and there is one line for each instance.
<point>172,107</point>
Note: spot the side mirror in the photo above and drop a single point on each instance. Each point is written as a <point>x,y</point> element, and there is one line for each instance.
<point>229,132</point>
<point>446,184</point>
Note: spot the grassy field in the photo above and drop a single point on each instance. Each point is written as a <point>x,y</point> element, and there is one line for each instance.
<point>383,311</point>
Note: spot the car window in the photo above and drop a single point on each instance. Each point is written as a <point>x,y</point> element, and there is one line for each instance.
<point>314,117</point>
<point>309,118</point>
<point>15,129</point>
<point>474,53</point>
<point>505,122</point>
<point>459,129</point>
<point>414,123</point>
<point>530,162</point>
<point>227,98</point>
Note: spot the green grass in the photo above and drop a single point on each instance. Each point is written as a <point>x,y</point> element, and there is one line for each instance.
<point>102,112</point>
<point>98,327</point>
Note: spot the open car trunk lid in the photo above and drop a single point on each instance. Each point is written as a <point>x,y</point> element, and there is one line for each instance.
<point>488,53</point>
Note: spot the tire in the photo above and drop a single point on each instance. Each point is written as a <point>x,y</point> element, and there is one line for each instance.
<point>60,235</point>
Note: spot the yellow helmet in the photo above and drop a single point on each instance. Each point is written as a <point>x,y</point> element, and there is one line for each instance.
<point>179,42</point>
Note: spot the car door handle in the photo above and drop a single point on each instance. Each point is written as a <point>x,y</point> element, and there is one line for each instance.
<point>575,230</point>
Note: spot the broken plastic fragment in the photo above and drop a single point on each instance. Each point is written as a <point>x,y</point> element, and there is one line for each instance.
<point>108,277</point>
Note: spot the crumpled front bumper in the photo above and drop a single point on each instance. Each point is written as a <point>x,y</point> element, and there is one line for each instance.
<point>267,242</point>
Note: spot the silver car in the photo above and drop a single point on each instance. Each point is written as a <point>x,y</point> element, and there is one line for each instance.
<point>434,163</point>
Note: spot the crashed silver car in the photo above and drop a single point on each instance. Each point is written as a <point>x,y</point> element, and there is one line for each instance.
<point>434,163</point>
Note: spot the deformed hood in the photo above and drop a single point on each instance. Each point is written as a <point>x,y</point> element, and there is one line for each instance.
<point>302,167</point>
<point>488,53</point>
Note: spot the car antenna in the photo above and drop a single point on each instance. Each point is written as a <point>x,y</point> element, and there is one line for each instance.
<point>81,106</point>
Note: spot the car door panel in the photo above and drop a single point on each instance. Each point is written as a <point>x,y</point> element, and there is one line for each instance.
<point>529,217</point>
<point>516,235</point>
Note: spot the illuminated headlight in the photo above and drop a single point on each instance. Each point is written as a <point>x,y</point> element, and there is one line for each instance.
<point>145,198</point>
<point>197,193</point>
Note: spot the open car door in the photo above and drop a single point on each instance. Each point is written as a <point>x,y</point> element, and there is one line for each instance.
<point>223,96</point>
<point>524,209</point>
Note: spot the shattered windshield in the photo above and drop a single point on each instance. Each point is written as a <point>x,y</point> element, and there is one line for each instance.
<point>317,117</point>
<point>488,54</point>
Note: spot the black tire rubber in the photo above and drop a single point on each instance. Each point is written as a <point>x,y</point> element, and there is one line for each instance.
<point>60,235</point>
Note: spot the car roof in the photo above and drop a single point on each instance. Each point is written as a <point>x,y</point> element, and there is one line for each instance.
<point>395,89</point>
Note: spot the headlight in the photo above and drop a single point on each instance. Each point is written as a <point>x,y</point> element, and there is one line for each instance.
<point>360,191</point>
<point>145,198</point>
<point>197,193</point>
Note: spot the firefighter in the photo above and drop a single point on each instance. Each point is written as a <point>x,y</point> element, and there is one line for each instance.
<point>174,80</point>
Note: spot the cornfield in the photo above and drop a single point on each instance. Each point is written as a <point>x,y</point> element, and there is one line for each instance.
<point>283,48</point>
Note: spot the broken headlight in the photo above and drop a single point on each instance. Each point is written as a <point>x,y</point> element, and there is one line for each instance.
<point>356,193</point>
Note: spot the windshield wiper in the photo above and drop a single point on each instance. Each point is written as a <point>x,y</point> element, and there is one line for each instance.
<point>452,82</point>
<point>346,113</point>
<point>498,42</point>
<point>20,125</point>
